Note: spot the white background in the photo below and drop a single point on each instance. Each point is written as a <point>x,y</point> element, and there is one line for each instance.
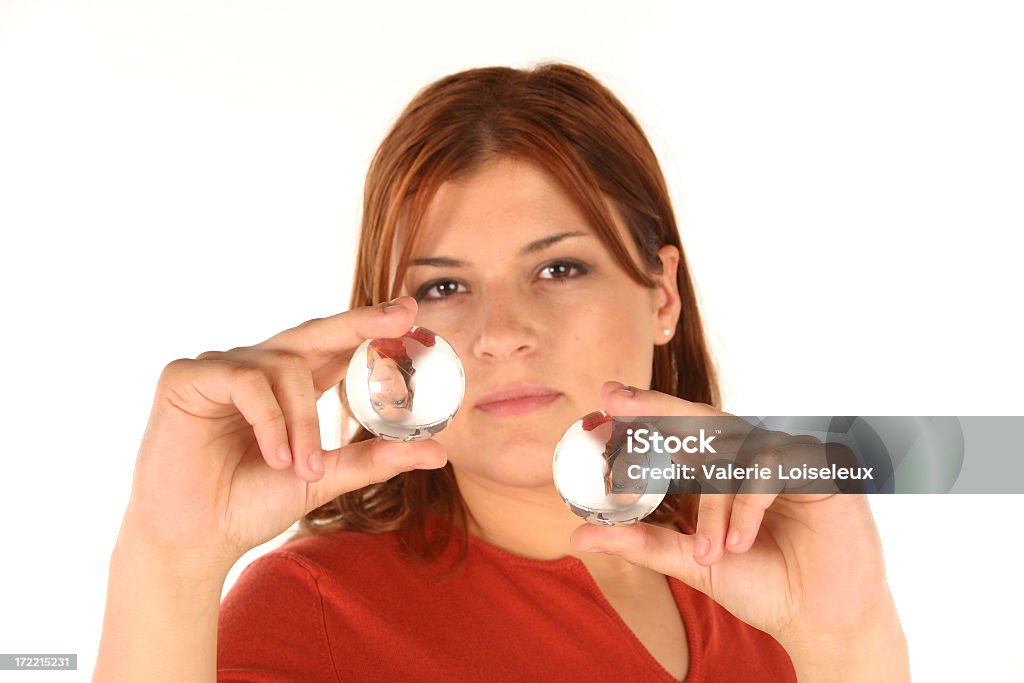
<point>183,176</point>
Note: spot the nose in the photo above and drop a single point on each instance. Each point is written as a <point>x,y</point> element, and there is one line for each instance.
<point>505,328</point>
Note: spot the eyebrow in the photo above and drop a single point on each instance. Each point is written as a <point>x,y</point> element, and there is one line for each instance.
<point>532,247</point>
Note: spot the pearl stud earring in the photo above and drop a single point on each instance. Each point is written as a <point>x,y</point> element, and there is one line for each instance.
<point>667,331</point>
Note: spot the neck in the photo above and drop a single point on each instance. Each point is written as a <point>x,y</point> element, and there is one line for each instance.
<point>534,523</point>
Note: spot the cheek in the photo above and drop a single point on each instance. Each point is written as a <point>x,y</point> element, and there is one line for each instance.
<point>607,341</point>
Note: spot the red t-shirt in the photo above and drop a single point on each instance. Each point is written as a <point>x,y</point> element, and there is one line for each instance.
<point>351,607</point>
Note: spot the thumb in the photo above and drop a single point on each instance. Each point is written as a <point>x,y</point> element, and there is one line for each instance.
<point>646,545</point>
<point>360,464</point>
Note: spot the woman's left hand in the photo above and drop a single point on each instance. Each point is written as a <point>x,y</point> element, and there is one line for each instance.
<point>805,568</point>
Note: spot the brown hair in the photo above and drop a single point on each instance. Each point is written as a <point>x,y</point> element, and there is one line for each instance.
<point>562,118</point>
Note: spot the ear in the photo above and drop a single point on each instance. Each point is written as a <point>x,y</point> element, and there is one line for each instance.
<point>667,305</point>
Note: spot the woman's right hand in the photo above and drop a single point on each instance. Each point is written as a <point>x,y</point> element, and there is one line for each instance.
<point>232,456</point>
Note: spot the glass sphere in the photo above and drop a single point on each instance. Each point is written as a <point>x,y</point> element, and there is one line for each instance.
<point>592,472</point>
<point>405,389</point>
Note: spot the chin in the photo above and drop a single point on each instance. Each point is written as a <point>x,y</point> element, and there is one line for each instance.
<point>520,477</point>
<point>513,459</point>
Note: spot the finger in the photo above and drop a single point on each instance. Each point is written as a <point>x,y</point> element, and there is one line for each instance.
<point>321,340</point>
<point>646,545</point>
<point>255,400</point>
<point>217,388</point>
<point>755,495</point>
<point>747,514</point>
<point>713,513</point>
<point>363,463</point>
<point>293,386</point>
<point>620,399</point>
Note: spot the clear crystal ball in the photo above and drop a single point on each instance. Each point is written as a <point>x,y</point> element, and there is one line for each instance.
<point>407,388</point>
<point>593,475</point>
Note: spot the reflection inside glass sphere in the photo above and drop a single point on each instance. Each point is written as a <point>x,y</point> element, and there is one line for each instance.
<point>592,472</point>
<point>405,389</point>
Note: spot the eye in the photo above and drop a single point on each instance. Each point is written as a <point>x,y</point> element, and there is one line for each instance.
<point>437,289</point>
<point>562,270</point>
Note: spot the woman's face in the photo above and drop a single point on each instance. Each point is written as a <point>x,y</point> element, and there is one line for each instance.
<point>509,271</point>
<point>389,393</point>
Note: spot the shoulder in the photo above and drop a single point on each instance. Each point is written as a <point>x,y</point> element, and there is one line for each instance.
<point>333,556</point>
<point>274,623</point>
<point>284,600</point>
<point>342,566</point>
<point>342,579</point>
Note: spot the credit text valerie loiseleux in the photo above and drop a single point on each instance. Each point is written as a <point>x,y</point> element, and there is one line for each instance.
<point>642,441</point>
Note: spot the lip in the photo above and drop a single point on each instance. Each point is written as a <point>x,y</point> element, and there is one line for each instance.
<point>516,400</point>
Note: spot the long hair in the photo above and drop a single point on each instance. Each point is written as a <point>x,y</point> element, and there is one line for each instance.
<point>563,119</point>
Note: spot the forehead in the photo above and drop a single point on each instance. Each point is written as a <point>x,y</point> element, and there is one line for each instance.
<point>504,203</point>
<point>495,210</point>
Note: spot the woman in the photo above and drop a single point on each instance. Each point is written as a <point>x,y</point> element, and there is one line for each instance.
<point>522,216</point>
<point>390,378</point>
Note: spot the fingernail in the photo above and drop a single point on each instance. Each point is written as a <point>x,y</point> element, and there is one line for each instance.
<point>392,308</point>
<point>734,537</point>
<point>425,466</point>
<point>701,547</point>
<point>626,391</point>
<point>283,454</point>
<point>316,462</point>
<point>595,549</point>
